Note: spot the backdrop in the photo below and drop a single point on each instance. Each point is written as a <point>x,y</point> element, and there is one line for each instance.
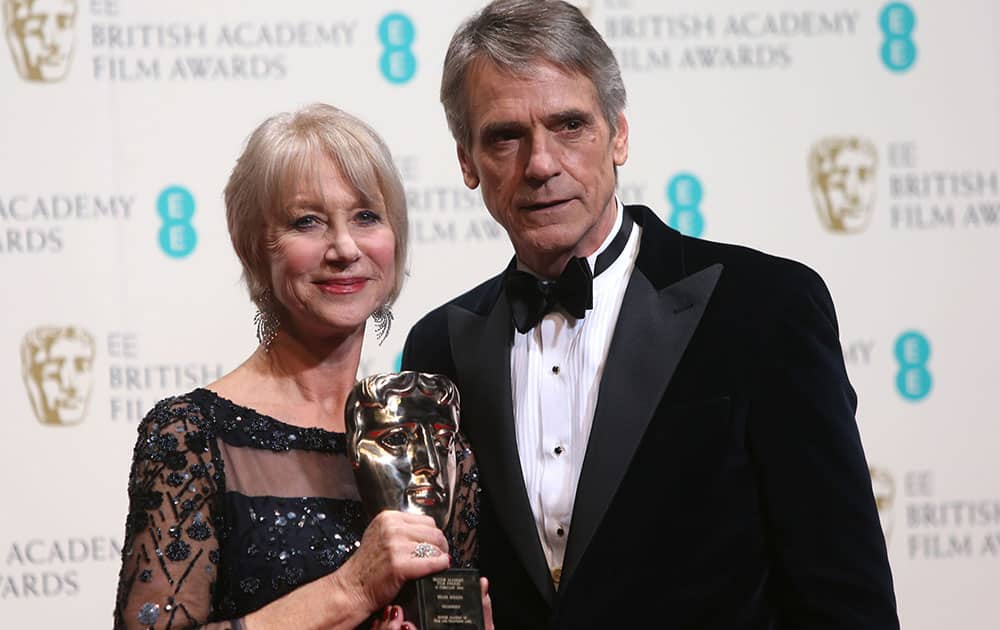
<point>859,137</point>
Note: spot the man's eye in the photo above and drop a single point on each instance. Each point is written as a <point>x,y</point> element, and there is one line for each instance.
<point>445,439</point>
<point>395,439</point>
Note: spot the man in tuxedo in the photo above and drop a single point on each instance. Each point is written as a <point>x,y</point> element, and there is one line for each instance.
<point>664,426</point>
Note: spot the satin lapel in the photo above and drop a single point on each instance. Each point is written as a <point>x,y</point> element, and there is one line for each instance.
<point>480,346</point>
<point>653,329</point>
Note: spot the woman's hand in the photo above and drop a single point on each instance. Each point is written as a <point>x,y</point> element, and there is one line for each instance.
<point>388,557</point>
<point>484,585</point>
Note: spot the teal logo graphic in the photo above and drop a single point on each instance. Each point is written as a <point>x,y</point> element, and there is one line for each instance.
<point>397,365</point>
<point>897,21</point>
<point>913,380</point>
<point>175,206</point>
<point>684,193</point>
<point>398,63</point>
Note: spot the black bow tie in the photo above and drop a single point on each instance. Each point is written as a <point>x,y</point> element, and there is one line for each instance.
<point>532,298</point>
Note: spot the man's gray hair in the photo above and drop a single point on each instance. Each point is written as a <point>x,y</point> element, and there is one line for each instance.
<point>515,35</point>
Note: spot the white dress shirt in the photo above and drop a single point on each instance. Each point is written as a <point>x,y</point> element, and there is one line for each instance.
<point>555,371</point>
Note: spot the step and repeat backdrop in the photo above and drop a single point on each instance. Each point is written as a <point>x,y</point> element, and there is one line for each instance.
<point>860,137</point>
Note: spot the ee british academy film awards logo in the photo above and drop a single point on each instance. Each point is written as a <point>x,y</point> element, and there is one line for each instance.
<point>40,35</point>
<point>842,178</point>
<point>57,366</point>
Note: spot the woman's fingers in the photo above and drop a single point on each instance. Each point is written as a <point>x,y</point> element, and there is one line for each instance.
<point>484,586</point>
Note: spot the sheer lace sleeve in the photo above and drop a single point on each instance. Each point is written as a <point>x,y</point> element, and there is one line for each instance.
<point>462,539</point>
<point>170,552</point>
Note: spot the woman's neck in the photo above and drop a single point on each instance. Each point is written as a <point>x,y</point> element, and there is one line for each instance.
<point>302,383</point>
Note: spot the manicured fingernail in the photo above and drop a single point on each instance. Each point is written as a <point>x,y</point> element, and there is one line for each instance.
<point>385,613</point>
<point>395,612</point>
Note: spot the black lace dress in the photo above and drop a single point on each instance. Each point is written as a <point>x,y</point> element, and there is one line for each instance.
<point>230,509</point>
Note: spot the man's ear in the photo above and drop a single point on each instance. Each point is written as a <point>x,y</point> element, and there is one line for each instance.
<point>619,143</point>
<point>468,168</point>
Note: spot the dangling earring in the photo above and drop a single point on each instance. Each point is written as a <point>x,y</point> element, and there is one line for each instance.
<point>266,321</point>
<point>382,318</point>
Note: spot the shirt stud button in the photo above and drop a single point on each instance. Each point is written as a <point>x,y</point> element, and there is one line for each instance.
<point>558,450</point>
<point>555,369</point>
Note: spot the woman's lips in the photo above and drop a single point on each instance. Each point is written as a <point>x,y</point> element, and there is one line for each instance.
<point>344,285</point>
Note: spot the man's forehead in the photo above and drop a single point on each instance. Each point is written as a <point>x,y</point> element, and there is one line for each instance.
<point>421,408</point>
<point>24,8</point>
<point>485,79</point>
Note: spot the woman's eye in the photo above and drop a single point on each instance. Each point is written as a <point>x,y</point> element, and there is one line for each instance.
<point>368,216</point>
<point>305,221</point>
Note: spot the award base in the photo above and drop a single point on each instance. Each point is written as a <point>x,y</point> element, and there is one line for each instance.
<point>450,600</point>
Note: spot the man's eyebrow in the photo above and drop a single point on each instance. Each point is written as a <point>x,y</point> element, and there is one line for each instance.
<point>501,128</point>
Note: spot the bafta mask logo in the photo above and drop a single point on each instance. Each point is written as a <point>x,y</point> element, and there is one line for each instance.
<point>57,366</point>
<point>401,442</point>
<point>842,176</point>
<point>40,35</point>
<point>884,488</point>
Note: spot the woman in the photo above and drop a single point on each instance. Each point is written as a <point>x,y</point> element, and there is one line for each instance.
<point>243,510</point>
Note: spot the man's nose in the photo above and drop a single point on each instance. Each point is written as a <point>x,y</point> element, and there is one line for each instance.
<point>424,455</point>
<point>68,378</point>
<point>50,32</point>
<point>543,162</point>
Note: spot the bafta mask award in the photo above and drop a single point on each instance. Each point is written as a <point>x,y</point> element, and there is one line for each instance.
<point>400,440</point>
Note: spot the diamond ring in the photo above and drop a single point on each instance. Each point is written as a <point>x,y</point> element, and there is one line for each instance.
<point>425,550</point>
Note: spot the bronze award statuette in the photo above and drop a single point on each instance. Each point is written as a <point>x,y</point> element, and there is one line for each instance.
<point>401,442</point>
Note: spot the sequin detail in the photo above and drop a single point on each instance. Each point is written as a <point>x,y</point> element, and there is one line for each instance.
<point>149,613</point>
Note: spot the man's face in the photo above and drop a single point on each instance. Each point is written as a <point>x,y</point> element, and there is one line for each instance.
<point>848,184</point>
<point>545,157</point>
<point>63,380</point>
<point>40,34</point>
<point>407,456</point>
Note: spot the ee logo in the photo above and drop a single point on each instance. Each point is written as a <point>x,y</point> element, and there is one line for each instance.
<point>684,193</point>
<point>913,380</point>
<point>897,22</point>
<point>175,206</point>
<point>398,63</point>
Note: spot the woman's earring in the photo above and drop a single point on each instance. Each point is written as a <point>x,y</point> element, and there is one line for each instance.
<point>382,318</point>
<point>266,322</point>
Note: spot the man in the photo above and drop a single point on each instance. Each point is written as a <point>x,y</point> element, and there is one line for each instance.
<point>57,366</point>
<point>683,453</point>
<point>40,36</point>
<point>401,429</point>
<point>842,174</point>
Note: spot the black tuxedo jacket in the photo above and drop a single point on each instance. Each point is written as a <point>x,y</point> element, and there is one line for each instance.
<point>724,485</point>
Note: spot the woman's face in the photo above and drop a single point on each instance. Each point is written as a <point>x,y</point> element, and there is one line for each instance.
<point>332,256</point>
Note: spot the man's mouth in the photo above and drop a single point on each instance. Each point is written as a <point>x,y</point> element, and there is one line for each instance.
<point>426,496</point>
<point>543,205</point>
